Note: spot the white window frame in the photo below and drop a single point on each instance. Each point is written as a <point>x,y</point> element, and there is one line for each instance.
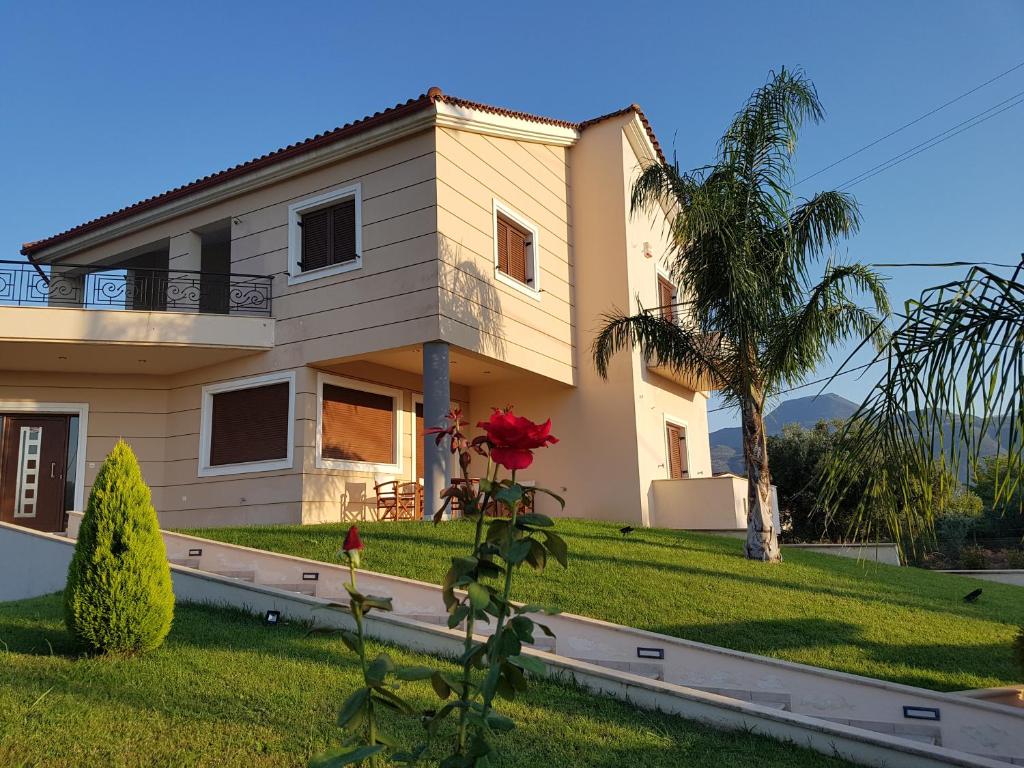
<point>397,409</point>
<point>533,262</point>
<point>206,426</point>
<point>668,419</point>
<point>81,410</point>
<point>315,203</point>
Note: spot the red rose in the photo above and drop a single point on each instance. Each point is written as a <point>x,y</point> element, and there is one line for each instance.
<point>352,540</point>
<point>512,438</point>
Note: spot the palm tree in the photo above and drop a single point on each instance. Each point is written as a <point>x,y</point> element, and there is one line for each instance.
<point>742,249</point>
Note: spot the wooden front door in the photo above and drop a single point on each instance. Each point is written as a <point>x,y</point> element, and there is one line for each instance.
<point>33,460</point>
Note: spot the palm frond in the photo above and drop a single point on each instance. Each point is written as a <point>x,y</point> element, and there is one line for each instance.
<point>660,341</point>
<point>954,379</point>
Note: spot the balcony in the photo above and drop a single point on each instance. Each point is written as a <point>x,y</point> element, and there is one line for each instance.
<point>118,319</point>
<point>716,503</point>
<point>671,313</point>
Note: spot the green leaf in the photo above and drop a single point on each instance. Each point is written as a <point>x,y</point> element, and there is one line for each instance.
<point>510,495</point>
<point>557,547</point>
<point>486,486</point>
<point>470,656</point>
<point>535,519</point>
<point>514,676</point>
<point>441,688</point>
<point>351,640</point>
<point>344,756</point>
<point>457,616</point>
<point>552,494</point>
<point>518,551</point>
<point>505,689</point>
<point>479,595</point>
<point>379,669</point>
<point>538,557</point>
<point>392,699</point>
<point>528,663</point>
<point>374,601</point>
<point>411,757</point>
<point>499,722</point>
<point>497,529</point>
<point>353,706</point>
<point>413,673</point>
<point>545,629</point>
<point>356,594</point>
<point>523,627</point>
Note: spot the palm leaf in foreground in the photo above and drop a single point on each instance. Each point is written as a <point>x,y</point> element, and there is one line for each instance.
<point>954,375</point>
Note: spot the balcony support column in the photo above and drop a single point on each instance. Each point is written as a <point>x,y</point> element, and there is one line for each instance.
<point>436,404</point>
<point>186,252</point>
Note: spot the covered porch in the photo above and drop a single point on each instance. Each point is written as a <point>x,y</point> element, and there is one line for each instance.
<point>371,458</point>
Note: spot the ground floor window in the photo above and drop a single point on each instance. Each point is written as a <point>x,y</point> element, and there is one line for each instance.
<point>247,425</point>
<point>358,425</point>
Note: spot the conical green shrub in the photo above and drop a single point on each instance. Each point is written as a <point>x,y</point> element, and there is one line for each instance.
<point>119,597</point>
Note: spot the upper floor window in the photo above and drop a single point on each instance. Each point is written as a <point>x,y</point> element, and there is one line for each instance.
<point>667,299</point>
<point>516,250</point>
<point>325,235</point>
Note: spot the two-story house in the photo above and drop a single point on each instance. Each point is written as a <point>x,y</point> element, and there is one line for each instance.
<point>272,338</point>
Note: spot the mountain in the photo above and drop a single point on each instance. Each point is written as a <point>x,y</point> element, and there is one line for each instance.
<point>727,443</point>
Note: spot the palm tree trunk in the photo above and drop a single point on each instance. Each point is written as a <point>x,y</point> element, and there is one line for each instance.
<point>762,538</point>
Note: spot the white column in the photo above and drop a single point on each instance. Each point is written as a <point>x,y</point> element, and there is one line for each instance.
<point>436,403</point>
<point>186,252</point>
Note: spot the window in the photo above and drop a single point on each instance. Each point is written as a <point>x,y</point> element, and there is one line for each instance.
<point>247,425</point>
<point>667,299</point>
<point>515,250</point>
<point>325,235</point>
<point>358,426</point>
<point>678,456</point>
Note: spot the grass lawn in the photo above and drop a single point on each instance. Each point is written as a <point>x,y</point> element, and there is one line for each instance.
<point>226,691</point>
<point>901,624</point>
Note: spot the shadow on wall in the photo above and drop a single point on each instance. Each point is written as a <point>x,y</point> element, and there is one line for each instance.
<point>469,299</point>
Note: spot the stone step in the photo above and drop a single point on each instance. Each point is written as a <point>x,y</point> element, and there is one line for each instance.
<point>240,575</point>
<point>641,668</point>
<point>188,562</point>
<point>925,734</point>
<point>541,642</point>
<point>302,587</point>
<point>772,699</point>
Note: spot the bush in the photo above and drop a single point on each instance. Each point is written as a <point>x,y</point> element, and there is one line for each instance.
<point>952,531</point>
<point>1018,648</point>
<point>973,559</point>
<point>118,597</point>
<point>1015,559</point>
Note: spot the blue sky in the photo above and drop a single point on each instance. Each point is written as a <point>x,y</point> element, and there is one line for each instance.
<point>106,103</point>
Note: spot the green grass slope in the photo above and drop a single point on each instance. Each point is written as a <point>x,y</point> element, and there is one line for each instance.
<point>902,624</point>
<point>226,691</point>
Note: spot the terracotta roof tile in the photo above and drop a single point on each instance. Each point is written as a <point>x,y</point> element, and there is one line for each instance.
<point>411,106</point>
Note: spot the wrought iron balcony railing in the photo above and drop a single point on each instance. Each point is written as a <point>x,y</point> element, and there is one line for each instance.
<point>130,288</point>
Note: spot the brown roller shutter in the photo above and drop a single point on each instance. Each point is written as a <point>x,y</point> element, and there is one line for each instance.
<point>675,453</point>
<point>419,440</point>
<point>666,298</point>
<point>513,250</point>
<point>249,425</point>
<point>329,236</point>
<point>358,426</point>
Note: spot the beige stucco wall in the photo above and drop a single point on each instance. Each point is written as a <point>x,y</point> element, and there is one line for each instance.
<point>479,312</point>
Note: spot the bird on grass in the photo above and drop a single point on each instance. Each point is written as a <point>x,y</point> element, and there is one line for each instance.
<point>625,531</point>
<point>972,597</point>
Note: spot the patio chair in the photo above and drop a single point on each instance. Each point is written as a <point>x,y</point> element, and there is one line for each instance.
<point>387,499</point>
<point>409,501</point>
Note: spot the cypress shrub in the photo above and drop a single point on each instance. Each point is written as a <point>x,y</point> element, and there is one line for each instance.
<point>118,597</point>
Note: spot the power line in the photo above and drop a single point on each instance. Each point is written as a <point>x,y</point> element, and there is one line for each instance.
<point>912,122</point>
<point>935,140</point>
<point>888,265</point>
